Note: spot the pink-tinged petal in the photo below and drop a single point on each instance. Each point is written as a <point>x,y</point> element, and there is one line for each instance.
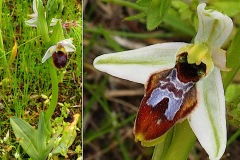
<point>214,27</point>
<point>208,120</point>
<point>219,59</point>
<point>137,65</point>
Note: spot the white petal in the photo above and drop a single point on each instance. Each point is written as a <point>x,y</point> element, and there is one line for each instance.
<point>35,3</point>
<point>32,22</point>
<point>49,53</point>
<point>214,27</point>
<point>67,44</point>
<point>208,121</point>
<point>137,65</point>
<point>54,21</point>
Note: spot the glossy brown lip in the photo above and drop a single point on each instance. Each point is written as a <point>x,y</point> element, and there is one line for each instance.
<point>152,119</point>
<point>60,59</point>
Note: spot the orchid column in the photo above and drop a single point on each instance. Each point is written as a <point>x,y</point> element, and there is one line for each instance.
<point>182,81</point>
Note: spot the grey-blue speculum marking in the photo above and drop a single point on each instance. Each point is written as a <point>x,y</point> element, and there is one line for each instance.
<point>175,96</point>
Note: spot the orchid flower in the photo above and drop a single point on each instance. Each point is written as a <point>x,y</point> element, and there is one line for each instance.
<point>182,81</point>
<point>59,52</point>
<point>33,21</point>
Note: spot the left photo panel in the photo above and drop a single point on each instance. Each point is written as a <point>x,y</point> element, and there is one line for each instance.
<point>41,79</point>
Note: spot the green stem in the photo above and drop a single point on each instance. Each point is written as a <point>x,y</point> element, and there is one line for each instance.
<point>177,143</point>
<point>53,103</point>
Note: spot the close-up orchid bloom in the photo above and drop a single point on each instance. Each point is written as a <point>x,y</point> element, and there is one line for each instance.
<point>33,21</point>
<point>59,52</point>
<point>181,81</point>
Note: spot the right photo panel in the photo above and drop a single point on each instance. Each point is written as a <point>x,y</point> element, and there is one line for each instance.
<point>160,80</point>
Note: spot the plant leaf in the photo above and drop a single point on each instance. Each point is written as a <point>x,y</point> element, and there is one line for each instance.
<point>68,136</point>
<point>43,137</point>
<point>27,137</point>
<point>156,12</point>
<point>143,3</point>
<point>231,8</point>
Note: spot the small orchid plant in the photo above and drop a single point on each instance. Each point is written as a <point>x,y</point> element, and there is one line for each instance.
<point>182,81</point>
<point>45,141</point>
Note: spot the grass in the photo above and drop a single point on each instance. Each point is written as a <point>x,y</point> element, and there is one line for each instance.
<point>111,104</point>
<point>23,83</point>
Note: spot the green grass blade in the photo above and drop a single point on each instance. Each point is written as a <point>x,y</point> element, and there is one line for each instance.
<point>106,129</point>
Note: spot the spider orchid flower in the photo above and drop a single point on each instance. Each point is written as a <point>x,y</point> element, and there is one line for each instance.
<point>59,52</point>
<point>33,21</point>
<point>181,81</point>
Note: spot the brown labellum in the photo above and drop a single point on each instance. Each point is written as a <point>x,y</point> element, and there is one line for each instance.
<point>170,96</point>
<point>60,59</point>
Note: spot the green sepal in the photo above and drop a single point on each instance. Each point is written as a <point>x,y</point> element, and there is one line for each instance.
<point>57,34</point>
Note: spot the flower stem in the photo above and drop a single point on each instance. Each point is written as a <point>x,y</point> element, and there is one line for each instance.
<point>177,143</point>
<point>53,103</point>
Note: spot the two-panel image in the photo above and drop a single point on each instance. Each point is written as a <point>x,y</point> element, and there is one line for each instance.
<point>119,80</point>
